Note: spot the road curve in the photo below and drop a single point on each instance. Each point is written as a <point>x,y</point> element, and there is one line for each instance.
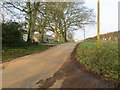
<point>25,72</point>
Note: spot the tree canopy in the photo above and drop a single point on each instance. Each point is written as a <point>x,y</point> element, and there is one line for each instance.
<point>61,18</point>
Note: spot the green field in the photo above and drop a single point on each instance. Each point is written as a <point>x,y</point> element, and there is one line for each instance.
<point>102,61</point>
<point>13,52</point>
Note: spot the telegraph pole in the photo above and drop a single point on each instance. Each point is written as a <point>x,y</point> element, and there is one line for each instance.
<point>98,25</point>
<point>84,33</point>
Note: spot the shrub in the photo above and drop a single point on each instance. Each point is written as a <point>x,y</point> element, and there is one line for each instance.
<point>11,34</point>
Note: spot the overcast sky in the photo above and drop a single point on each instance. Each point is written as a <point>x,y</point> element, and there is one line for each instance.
<point>109,18</point>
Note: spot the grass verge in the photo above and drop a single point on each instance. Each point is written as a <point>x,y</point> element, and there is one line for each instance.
<point>13,52</point>
<point>59,42</point>
<point>102,61</point>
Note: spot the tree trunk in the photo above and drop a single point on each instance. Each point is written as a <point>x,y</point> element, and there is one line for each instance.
<point>55,35</point>
<point>61,36</point>
<point>65,32</point>
<point>61,32</point>
<point>65,37</point>
<point>29,14</point>
<point>31,20</point>
<point>29,39</point>
<point>55,32</point>
<point>41,36</point>
<point>3,19</point>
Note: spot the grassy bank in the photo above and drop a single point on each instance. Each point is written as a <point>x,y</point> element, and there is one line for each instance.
<point>103,61</point>
<point>60,42</point>
<point>13,52</point>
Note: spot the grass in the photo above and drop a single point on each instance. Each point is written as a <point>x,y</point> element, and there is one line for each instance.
<point>13,52</point>
<point>59,42</point>
<point>102,61</point>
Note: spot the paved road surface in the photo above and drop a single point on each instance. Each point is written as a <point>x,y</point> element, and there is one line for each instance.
<point>24,72</point>
<point>51,68</point>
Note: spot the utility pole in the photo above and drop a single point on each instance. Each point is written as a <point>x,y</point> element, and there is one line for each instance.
<point>98,25</point>
<point>84,33</point>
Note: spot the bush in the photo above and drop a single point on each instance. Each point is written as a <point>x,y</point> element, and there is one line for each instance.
<point>11,34</point>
